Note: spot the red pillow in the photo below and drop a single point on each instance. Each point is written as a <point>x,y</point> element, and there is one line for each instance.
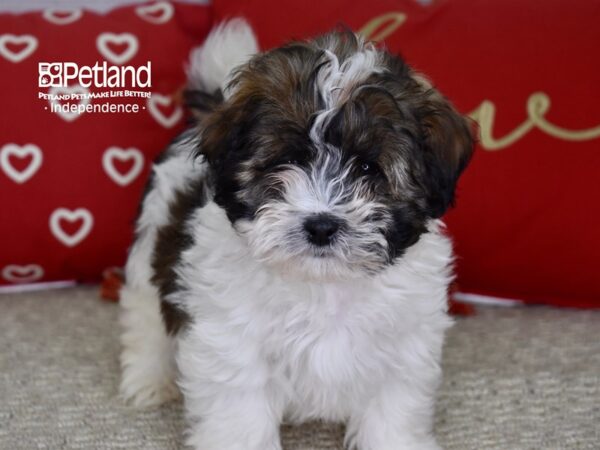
<point>71,182</point>
<point>526,225</point>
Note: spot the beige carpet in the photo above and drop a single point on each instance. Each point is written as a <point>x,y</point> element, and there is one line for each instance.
<point>522,378</point>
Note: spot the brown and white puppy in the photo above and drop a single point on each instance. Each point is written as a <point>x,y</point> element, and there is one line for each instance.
<point>289,262</point>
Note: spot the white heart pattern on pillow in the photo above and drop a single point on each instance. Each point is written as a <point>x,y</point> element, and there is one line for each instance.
<point>148,12</point>
<point>112,153</point>
<point>62,16</point>
<point>16,56</point>
<point>105,39</point>
<point>167,121</point>
<point>71,239</point>
<point>20,176</point>
<point>22,274</point>
<point>69,116</point>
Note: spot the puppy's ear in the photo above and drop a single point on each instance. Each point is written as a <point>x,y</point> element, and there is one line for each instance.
<point>221,133</point>
<point>224,143</point>
<point>447,149</point>
<point>202,103</point>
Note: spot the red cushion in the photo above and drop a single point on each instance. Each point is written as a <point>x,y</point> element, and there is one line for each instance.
<point>70,184</point>
<point>526,225</point>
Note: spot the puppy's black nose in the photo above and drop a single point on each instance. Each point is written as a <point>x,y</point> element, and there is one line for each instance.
<point>321,228</point>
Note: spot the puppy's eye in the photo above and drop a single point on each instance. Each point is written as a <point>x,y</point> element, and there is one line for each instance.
<point>293,162</point>
<point>368,168</point>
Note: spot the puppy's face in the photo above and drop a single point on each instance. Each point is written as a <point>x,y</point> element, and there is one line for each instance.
<point>331,156</point>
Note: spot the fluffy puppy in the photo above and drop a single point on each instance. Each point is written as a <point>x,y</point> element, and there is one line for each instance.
<point>289,261</point>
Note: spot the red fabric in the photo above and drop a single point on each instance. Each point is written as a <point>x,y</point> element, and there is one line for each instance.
<point>112,282</point>
<point>65,213</point>
<point>526,225</point>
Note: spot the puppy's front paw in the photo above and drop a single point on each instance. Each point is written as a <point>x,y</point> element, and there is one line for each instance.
<point>378,434</point>
<point>226,437</point>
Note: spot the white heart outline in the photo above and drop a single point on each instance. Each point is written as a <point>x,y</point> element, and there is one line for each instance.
<point>164,100</point>
<point>21,151</point>
<point>32,44</point>
<point>8,273</point>
<point>68,115</point>
<point>122,154</point>
<point>104,39</point>
<point>145,11</point>
<point>71,216</point>
<point>49,15</point>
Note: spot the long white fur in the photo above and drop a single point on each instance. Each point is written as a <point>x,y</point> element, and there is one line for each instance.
<point>270,342</point>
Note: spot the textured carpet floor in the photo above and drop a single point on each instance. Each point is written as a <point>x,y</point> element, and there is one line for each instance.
<point>522,378</point>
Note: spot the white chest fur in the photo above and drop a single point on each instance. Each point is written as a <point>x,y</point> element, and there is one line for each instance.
<point>325,345</point>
